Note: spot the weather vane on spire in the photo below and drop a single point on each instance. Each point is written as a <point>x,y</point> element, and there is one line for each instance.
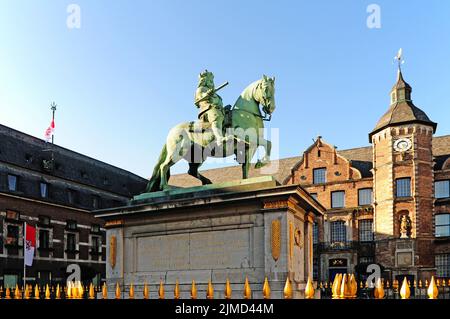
<point>399,58</point>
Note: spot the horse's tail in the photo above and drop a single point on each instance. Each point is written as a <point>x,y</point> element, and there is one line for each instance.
<point>154,182</point>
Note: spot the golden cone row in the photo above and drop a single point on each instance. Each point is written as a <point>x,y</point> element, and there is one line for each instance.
<point>344,286</point>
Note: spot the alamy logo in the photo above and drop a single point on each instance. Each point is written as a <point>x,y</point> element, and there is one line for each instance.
<point>75,273</point>
<point>374,19</point>
<point>74,18</point>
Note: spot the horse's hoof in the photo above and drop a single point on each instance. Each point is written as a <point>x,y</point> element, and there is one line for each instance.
<point>260,164</point>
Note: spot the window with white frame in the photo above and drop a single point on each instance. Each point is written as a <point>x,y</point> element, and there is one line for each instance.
<point>442,225</point>
<point>95,244</point>
<point>338,231</point>
<point>71,242</point>
<point>442,262</point>
<point>365,227</point>
<point>365,196</point>
<point>442,189</point>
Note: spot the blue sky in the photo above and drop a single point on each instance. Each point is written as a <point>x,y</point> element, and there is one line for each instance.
<point>129,73</point>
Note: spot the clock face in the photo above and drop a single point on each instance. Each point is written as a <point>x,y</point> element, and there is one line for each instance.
<point>402,145</point>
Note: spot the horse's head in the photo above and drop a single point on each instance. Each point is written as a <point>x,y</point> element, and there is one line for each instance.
<point>266,94</point>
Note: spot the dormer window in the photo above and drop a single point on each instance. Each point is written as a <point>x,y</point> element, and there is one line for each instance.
<point>43,187</point>
<point>393,97</point>
<point>71,196</point>
<point>12,182</point>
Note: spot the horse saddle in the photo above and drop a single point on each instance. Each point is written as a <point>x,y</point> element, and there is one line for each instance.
<point>203,126</point>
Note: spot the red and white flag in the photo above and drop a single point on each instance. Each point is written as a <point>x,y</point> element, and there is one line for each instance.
<point>49,131</point>
<point>30,244</point>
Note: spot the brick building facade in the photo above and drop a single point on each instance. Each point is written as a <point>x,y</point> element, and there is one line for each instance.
<point>387,204</point>
<point>55,189</point>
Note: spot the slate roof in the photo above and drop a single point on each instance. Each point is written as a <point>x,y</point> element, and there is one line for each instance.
<point>403,111</point>
<point>361,159</point>
<point>27,152</point>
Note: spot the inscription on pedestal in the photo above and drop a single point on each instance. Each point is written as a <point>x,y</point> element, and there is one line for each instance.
<point>198,250</point>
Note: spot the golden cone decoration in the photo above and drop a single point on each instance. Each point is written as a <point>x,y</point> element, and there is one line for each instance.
<point>309,289</point>
<point>73,290</point>
<point>117,291</point>
<point>247,290</point>
<point>405,292</point>
<point>91,291</point>
<point>266,289</point>
<point>47,292</point>
<point>378,291</point>
<point>104,291</point>
<point>8,293</point>
<point>17,293</point>
<point>287,291</point>
<point>345,287</point>
<point>58,292</point>
<point>69,290</point>
<point>353,286</point>
<point>193,290</point>
<point>145,292</point>
<point>131,292</point>
<point>161,293</point>
<point>36,292</point>
<point>432,291</point>
<point>26,292</point>
<point>336,287</point>
<point>210,291</point>
<point>176,291</point>
<point>80,289</point>
<point>227,293</point>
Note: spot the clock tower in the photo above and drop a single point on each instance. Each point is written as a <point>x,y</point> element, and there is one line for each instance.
<point>403,187</point>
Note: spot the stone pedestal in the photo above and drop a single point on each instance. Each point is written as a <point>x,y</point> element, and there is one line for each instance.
<point>251,228</point>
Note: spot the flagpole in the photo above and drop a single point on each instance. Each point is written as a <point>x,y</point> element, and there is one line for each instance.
<point>24,248</point>
<point>53,108</point>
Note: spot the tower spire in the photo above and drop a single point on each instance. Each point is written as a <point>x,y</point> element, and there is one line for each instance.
<point>400,60</point>
<point>401,110</point>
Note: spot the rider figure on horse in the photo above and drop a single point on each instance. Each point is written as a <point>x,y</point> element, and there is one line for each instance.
<point>210,107</point>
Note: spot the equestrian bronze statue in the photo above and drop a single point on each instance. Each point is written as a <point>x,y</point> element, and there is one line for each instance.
<point>219,132</point>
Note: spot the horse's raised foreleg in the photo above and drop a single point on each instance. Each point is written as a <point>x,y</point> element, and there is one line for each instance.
<point>193,171</point>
